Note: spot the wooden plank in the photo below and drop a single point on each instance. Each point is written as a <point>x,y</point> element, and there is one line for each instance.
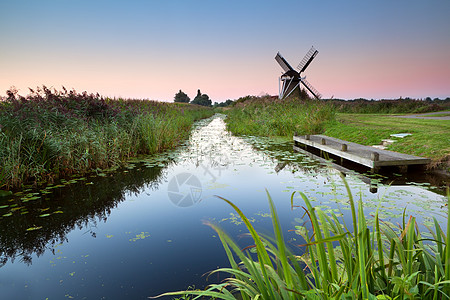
<point>359,153</point>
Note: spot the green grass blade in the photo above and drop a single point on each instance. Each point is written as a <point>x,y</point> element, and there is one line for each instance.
<point>321,253</point>
<point>380,248</point>
<point>263,257</point>
<point>327,237</point>
<point>280,243</point>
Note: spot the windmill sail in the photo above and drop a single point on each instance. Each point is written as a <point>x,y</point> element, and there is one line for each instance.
<point>307,59</point>
<point>283,63</point>
<point>310,88</point>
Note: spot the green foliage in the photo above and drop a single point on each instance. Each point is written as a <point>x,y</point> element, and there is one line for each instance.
<point>339,262</point>
<point>181,97</point>
<point>51,134</point>
<point>399,106</point>
<point>265,116</point>
<point>229,102</point>
<point>201,99</point>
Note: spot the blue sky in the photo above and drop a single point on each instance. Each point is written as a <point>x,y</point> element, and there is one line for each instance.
<point>151,49</point>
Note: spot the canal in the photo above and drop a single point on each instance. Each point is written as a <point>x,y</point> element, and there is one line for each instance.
<point>139,231</point>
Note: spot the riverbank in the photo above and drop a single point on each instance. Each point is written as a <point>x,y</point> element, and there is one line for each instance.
<point>427,137</point>
<point>51,134</point>
<point>265,116</point>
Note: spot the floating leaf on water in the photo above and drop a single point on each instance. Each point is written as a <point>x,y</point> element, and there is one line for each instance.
<point>88,183</point>
<point>30,198</point>
<point>34,228</point>
<point>101,174</point>
<point>44,215</point>
<point>140,236</point>
<point>108,236</point>
<point>4,206</point>
<point>7,215</point>
<point>58,212</point>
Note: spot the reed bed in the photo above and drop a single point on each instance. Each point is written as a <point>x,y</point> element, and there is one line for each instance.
<point>50,134</point>
<point>340,261</point>
<point>264,116</point>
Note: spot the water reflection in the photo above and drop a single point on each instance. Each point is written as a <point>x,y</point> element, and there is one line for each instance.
<point>138,232</point>
<point>38,225</point>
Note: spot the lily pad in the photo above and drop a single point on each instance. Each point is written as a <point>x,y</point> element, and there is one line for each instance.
<point>34,228</point>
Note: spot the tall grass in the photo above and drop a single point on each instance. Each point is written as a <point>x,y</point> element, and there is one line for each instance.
<point>271,117</point>
<point>50,133</point>
<point>339,261</point>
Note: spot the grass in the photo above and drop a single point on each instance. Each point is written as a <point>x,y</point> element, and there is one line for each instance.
<point>265,116</point>
<point>339,261</point>
<point>429,137</point>
<point>51,134</point>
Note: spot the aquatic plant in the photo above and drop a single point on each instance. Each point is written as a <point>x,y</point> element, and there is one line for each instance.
<point>339,262</point>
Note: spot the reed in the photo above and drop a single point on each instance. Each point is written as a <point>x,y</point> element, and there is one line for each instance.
<point>339,262</point>
<point>264,116</point>
<point>51,134</point>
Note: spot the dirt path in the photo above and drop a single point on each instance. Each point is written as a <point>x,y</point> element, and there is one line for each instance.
<point>429,116</point>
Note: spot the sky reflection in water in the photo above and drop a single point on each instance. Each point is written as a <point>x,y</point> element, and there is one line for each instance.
<point>138,232</point>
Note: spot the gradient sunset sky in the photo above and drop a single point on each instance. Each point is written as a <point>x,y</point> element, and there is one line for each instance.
<point>151,49</point>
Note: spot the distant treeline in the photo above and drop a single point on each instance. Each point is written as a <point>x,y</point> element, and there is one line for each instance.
<point>361,106</point>
<point>397,106</point>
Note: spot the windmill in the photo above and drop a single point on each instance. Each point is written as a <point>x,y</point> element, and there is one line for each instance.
<point>291,78</point>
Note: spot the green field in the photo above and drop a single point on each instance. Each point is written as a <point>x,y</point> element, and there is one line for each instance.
<point>429,138</point>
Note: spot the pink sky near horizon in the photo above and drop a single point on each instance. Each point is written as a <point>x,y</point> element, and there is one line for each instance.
<point>149,49</point>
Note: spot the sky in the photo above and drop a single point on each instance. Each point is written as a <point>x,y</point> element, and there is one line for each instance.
<point>151,49</point>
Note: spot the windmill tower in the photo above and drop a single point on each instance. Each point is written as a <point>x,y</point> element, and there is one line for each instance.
<point>291,79</point>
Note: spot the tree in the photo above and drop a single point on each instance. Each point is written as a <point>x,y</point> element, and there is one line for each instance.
<point>201,99</point>
<point>181,97</point>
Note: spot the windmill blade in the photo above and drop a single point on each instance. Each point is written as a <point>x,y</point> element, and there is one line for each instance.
<point>283,63</point>
<point>310,88</point>
<point>307,59</point>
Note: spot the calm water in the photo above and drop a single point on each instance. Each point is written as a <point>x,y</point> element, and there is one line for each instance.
<point>138,231</point>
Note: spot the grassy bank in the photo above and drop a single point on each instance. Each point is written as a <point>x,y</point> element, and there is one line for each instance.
<point>340,261</point>
<point>50,134</point>
<point>429,137</point>
<point>265,116</point>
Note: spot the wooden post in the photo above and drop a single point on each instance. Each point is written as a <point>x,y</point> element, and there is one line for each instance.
<point>344,147</point>
<point>323,141</point>
<point>307,137</point>
<point>403,169</point>
<point>375,156</point>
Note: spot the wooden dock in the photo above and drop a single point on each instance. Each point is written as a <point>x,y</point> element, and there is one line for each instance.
<point>364,155</point>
